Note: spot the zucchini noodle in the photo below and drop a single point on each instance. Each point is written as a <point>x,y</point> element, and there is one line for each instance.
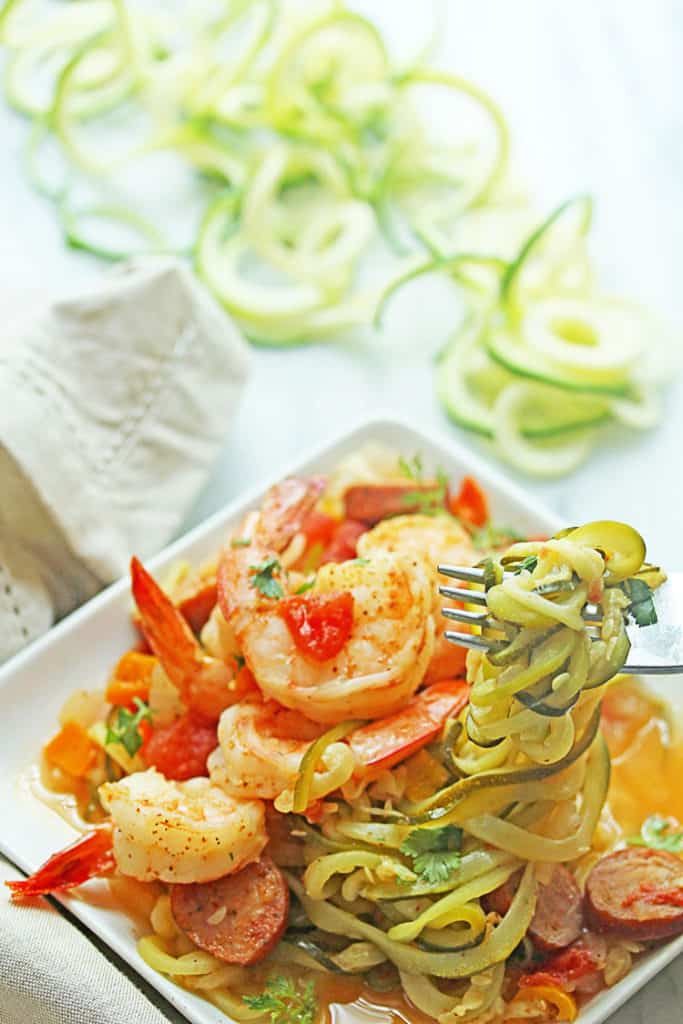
<point>298,117</point>
<point>313,145</point>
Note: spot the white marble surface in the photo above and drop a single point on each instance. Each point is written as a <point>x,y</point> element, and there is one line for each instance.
<point>594,95</point>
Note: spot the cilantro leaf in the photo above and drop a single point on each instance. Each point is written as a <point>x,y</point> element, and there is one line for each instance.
<point>263,579</point>
<point>411,468</point>
<point>432,501</point>
<point>642,605</point>
<point>240,542</point>
<point>125,729</point>
<point>658,833</point>
<point>286,1001</point>
<point>435,868</point>
<point>239,660</point>
<point>435,852</point>
<point>307,585</point>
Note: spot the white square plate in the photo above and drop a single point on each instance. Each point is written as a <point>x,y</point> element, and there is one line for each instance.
<point>80,651</point>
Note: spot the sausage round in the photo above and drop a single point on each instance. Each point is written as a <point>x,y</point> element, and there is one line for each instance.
<point>636,893</point>
<point>238,918</point>
<point>558,918</point>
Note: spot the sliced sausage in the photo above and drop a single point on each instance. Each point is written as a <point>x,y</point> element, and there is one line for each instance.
<point>636,893</point>
<point>238,918</point>
<point>369,503</point>
<point>558,918</point>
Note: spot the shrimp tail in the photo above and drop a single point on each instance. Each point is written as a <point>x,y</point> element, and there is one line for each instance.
<point>266,533</point>
<point>285,508</point>
<point>165,629</point>
<point>91,856</point>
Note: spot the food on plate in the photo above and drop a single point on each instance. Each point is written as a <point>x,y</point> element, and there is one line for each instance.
<point>310,803</point>
<point>313,144</point>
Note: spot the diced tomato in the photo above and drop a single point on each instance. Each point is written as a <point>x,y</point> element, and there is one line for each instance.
<point>563,969</point>
<point>179,750</point>
<point>196,607</point>
<point>89,857</point>
<point>319,528</point>
<point>343,544</point>
<point>386,742</point>
<point>320,624</point>
<point>72,750</point>
<point>470,503</point>
<point>595,590</point>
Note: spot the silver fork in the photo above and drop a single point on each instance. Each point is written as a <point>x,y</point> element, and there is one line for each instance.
<point>655,650</point>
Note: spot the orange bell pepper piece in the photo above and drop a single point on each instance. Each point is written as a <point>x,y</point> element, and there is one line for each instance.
<point>72,750</point>
<point>131,678</point>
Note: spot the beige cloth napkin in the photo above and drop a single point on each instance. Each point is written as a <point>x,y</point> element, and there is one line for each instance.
<point>51,973</point>
<point>113,407</point>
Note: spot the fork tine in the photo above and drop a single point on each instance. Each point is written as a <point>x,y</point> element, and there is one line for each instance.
<point>461,572</point>
<point>476,643</point>
<point>470,618</point>
<point>462,594</point>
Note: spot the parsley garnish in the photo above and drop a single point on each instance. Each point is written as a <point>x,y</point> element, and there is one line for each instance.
<point>658,833</point>
<point>263,579</point>
<point>239,661</point>
<point>358,561</point>
<point>240,542</point>
<point>412,468</point>
<point>429,502</point>
<point>125,729</point>
<point>642,605</point>
<point>435,852</point>
<point>308,585</point>
<point>285,1001</point>
<point>529,563</point>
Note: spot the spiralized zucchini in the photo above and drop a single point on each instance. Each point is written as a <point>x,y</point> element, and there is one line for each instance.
<point>542,360</point>
<point>311,143</point>
<point>310,140</point>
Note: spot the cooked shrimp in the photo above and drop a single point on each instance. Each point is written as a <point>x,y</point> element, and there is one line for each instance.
<point>438,539</point>
<point>181,831</point>
<point>206,684</point>
<point>261,749</point>
<point>382,661</point>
